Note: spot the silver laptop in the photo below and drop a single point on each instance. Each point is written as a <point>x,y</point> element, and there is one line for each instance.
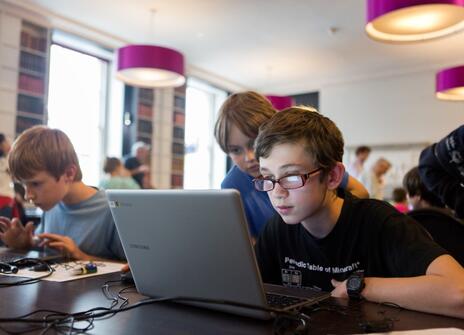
<point>195,244</point>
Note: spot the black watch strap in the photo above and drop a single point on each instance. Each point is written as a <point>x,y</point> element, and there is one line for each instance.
<point>355,284</point>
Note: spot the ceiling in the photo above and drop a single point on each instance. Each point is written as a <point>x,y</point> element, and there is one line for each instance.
<point>273,46</point>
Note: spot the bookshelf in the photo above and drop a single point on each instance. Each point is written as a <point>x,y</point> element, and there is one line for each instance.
<point>178,138</point>
<point>32,76</point>
<point>145,104</point>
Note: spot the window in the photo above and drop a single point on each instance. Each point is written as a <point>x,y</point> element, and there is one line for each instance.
<point>77,104</point>
<point>205,163</point>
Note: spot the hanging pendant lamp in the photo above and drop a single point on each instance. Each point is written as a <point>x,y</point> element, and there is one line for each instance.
<point>150,66</point>
<point>403,21</point>
<point>450,84</point>
<point>280,102</point>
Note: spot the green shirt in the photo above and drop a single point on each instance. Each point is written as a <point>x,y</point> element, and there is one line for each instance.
<point>119,183</point>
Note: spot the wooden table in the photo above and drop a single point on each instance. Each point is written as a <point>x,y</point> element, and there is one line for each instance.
<point>335,316</point>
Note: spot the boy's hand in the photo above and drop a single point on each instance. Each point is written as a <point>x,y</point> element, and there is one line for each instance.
<point>340,289</point>
<point>15,235</point>
<point>125,268</point>
<point>63,243</point>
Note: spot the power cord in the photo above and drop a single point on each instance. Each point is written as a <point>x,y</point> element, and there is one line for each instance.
<point>285,322</point>
<point>24,262</point>
<point>382,324</point>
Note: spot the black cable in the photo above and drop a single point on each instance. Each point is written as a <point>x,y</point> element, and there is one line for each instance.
<point>98,312</point>
<point>105,289</point>
<point>384,324</point>
<point>27,262</point>
<point>7,268</point>
<point>60,321</point>
<point>124,299</point>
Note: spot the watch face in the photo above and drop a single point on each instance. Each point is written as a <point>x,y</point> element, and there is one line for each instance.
<point>354,283</point>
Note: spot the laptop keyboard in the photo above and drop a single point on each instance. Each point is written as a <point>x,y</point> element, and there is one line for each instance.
<point>10,258</point>
<point>282,301</point>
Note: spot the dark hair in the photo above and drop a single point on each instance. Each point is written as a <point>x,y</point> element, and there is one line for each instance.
<point>413,184</point>
<point>399,194</point>
<point>322,139</point>
<point>362,149</point>
<point>2,139</point>
<point>111,163</point>
<point>247,111</point>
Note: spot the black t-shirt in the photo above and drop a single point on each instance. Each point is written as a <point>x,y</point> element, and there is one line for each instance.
<point>132,163</point>
<point>369,235</point>
<point>445,229</point>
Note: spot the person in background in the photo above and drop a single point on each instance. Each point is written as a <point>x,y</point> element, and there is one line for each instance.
<point>430,212</point>
<point>7,203</point>
<point>137,163</point>
<point>77,217</point>
<point>441,166</point>
<point>373,179</point>
<point>323,237</point>
<point>356,167</point>
<point>418,195</point>
<point>400,201</point>
<point>118,177</point>
<point>235,131</point>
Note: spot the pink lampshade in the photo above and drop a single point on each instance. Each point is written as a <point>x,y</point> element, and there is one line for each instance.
<point>450,84</point>
<point>413,20</point>
<point>150,66</point>
<point>280,102</point>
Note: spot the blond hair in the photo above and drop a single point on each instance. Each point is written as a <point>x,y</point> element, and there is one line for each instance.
<point>245,110</point>
<point>42,149</point>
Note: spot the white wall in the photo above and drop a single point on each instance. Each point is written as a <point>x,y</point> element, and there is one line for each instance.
<point>10,29</point>
<point>391,110</point>
<point>397,116</point>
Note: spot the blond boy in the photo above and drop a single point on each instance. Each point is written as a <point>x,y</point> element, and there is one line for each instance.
<point>76,219</point>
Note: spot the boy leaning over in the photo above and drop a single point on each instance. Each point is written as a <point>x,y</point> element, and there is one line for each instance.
<point>77,218</point>
<point>325,238</point>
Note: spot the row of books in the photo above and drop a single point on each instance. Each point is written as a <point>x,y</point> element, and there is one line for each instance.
<point>144,126</point>
<point>146,96</point>
<point>145,110</point>
<point>38,43</point>
<point>177,148</point>
<point>31,62</point>
<point>179,102</point>
<point>177,180</point>
<point>23,123</point>
<point>178,132</point>
<point>179,118</point>
<point>142,137</point>
<point>177,164</point>
<point>31,84</point>
<point>30,104</point>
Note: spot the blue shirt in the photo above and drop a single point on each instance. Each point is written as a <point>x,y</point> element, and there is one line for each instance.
<point>90,225</point>
<point>258,207</point>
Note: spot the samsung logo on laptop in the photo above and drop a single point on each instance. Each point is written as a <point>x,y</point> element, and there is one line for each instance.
<point>139,246</point>
<point>117,204</point>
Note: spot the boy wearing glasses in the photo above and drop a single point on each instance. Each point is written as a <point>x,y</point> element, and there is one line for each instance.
<point>235,130</point>
<point>325,238</point>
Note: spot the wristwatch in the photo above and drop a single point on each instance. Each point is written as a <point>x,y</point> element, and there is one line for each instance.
<point>355,284</point>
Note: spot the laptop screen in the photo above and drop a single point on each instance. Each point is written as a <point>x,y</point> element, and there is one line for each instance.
<point>188,243</point>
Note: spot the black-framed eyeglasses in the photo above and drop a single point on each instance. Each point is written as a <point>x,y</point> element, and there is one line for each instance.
<point>287,182</point>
